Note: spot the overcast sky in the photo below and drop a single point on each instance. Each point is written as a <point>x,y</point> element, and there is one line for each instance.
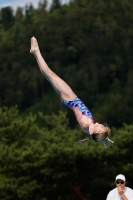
<point>21,3</point>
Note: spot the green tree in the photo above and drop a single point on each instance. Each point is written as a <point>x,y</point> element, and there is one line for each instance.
<point>45,163</point>
<point>7,17</point>
<point>87,43</point>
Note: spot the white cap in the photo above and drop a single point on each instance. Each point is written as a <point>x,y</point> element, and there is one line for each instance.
<point>121,177</point>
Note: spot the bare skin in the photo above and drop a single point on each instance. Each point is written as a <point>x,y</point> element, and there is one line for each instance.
<point>63,89</point>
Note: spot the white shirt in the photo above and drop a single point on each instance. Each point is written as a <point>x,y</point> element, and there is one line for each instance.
<point>114,195</point>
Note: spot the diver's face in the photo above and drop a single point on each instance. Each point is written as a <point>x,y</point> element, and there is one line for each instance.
<point>99,128</point>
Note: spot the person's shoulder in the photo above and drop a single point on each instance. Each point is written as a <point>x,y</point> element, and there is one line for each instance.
<point>111,194</point>
<point>129,189</point>
<point>113,191</point>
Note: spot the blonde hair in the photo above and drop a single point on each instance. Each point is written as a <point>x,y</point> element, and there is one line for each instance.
<point>99,137</point>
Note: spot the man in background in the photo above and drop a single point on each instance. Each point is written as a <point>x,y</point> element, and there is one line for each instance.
<point>121,192</point>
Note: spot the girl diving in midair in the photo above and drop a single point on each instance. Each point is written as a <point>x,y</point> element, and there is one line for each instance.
<point>98,132</point>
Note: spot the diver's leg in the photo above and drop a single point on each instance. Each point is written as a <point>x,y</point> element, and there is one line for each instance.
<point>59,85</point>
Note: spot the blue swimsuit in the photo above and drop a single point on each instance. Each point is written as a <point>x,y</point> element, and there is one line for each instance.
<point>77,103</point>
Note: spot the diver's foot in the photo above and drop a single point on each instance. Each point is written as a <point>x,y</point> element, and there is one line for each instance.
<point>34,46</point>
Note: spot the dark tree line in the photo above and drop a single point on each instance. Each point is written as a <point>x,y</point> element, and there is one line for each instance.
<point>46,164</point>
<point>90,45</point>
<point>87,43</point>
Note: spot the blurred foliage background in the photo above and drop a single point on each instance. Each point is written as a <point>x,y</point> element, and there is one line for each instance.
<point>89,44</point>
